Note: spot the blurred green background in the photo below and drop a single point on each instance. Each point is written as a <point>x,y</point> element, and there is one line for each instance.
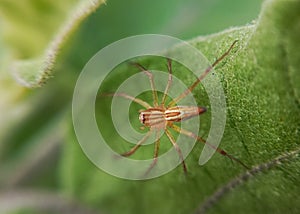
<point>181,19</point>
<point>35,124</point>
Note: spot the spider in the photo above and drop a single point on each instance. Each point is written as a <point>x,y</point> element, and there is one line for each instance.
<point>161,117</point>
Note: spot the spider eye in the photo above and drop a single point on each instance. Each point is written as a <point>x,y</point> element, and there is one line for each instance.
<point>142,118</point>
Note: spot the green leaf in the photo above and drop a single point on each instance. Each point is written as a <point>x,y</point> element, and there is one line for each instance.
<point>260,78</point>
<point>262,94</point>
<point>37,30</point>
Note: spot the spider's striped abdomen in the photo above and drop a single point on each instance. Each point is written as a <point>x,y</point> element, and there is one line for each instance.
<point>179,113</point>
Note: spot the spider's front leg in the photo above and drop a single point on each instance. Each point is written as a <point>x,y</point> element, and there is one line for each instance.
<point>133,150</point>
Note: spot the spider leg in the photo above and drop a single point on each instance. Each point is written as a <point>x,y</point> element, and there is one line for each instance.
<point>201,77</point>
<point>171,138</point>
<point>150,76</point>
<point>133,150</point>
<point>169,82</point>
<point>126,96</point>
<point>157,143</point>
<point>200,139</point>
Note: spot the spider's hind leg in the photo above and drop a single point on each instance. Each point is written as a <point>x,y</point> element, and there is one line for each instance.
<point>200,139</point>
